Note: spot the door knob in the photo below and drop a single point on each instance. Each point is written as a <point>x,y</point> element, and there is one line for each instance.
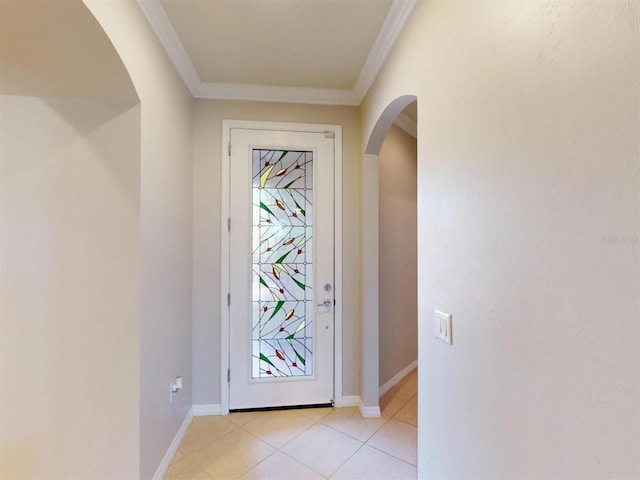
<point>326,303</point>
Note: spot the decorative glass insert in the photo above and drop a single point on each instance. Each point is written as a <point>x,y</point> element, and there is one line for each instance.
<point>282,300</point>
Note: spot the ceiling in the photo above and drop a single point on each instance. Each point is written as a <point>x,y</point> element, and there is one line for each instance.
<point>303,51</point>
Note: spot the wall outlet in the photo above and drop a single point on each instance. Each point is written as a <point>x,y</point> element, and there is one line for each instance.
<point>175,387</point>
<point>443,326</point>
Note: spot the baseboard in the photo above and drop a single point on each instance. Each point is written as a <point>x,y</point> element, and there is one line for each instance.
<point>368,412</point>
<point>397,378</point>
<point>206,409</point>
<point>173,448</point>
<point>351,401</point>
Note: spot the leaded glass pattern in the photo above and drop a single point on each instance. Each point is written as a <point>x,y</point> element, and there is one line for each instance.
<point>282,299</point>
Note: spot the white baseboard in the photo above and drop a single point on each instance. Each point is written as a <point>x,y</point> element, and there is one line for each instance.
<point>397,378</point>
<point>173,448</point>
<point>206,409</point>
<point>356,401</point>
<point>369,412</point>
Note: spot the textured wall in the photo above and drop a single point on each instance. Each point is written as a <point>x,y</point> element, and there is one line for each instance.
<point>528,220</point>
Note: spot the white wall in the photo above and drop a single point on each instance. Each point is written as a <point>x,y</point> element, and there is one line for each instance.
<point>70,289</point>
<point>208,117</point>
<point>165,225</point>
<point>528,161</point>
<point>397,234</point>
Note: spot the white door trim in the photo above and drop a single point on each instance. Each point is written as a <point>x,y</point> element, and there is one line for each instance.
<point>227,125</point>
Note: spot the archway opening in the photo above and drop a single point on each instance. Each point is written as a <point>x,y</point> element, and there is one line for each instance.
<point>371,374</point>
<point>398,272</point>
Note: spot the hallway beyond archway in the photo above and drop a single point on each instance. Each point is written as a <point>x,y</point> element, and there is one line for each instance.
<point>370,255</point>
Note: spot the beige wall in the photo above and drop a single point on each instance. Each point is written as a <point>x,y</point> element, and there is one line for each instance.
<point>70,289</point>
<point>97,203</point>
<point>69,258</point>
<point>398,303</point>
<point>528,220</point>
<point>206,254</point>
<point>165,225</point>
<point>528,225</point>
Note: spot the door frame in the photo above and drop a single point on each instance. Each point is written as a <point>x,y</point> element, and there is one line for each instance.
<point>227,125</point>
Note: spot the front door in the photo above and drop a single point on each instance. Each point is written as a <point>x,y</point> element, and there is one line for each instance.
<point>281,280</point>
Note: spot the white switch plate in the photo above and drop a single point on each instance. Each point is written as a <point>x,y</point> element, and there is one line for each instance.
<point>443,326</point>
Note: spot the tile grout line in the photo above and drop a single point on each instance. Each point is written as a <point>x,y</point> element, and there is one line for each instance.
<point>404,421</point>
<point>237,427</point>
<point>313,423</point>
<point>388,453</point>
<point>391,455</point>
<point>349,458</point>
<point>301,463</point>
<point>241,427</point>
<point>351,436</point>
<point>206,445</point>
<point>296,436</point>
<point>364,441</point>
<point>337,431</point>
<point>320,422</point>
<point>187,459</point>
<point>279,449</point>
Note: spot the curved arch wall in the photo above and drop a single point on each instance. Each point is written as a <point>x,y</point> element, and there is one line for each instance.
<point>166,200</point>
<point>69,203</point>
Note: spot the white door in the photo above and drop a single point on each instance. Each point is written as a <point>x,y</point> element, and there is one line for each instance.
<point>281,279</point>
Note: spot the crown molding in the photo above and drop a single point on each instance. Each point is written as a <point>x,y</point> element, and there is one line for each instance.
<point>272,93</point>
<point>163,27</point>
<point>406,124</point>
<point>393,24</point>
<point>165,31</point>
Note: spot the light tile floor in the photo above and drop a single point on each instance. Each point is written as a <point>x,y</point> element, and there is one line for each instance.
<point>311,444</point>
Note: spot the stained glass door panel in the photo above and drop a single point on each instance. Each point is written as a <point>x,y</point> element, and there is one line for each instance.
<point>282,289</point>
<point>281,245</point>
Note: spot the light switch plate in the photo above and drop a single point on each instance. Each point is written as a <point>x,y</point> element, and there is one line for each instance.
<point>443,326</point>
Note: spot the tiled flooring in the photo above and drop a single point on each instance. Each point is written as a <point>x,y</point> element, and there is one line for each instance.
<point>305,444</point>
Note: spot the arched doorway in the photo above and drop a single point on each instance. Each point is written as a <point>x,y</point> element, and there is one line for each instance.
<point>398,267</point>
<point>370,371</point>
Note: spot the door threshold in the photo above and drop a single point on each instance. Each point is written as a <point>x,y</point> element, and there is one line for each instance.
<point>284,407</point>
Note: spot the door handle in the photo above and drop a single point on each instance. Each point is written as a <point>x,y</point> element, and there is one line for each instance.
<point>326,303</point>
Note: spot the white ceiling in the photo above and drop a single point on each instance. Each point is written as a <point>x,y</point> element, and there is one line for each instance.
<point>304,51</point>
<point>314,43</point>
